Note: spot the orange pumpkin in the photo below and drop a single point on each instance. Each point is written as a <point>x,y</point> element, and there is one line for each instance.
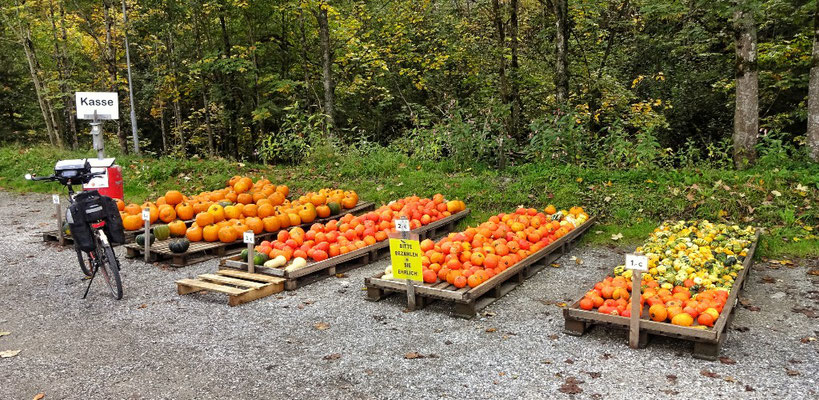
<point>133,209</point>
<point>271,224</point>
<point>173,197</point>
<point>132,222</point>
<point>265,210</point>
<point>323,211</point>
<point>307,213</point>
<point>244,198</point>
<point>166,213</point>
<point>210,233</point>
<point>255,224</point>
<point>177,228</point>
<point>227,234</point>
<point>295,220</point>
<point>184,211</point>
<point>194,233</point>
<point>120,204</point>
<point>348,202</point>
<point>204,219</point>
<point>284,220</point>
<point>250,210</point>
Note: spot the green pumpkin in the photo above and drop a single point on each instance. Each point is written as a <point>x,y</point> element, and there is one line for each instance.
<point>335,208</point>
<point>179,245</point>
<point>244,255</point>
<point>260,258</point>
<point>66,229</point>
<point>140,239</point>
<point>162,232</point>
<point>225,203</point>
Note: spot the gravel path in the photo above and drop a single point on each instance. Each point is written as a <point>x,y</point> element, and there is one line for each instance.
<point>156,344</point>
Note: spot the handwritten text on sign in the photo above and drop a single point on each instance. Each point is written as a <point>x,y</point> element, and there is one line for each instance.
<point>406,259</point>
<point>637,262</point>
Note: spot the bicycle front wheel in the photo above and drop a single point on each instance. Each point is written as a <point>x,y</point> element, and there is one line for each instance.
<point>109,265</point>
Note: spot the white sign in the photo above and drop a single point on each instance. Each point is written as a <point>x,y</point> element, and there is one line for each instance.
<point>249,237</point>
<point>637,262</point>
<point>99,166</point>
<point>402,225</point>
<point>55,198</point>
<point>105,104</point>
<point>146,214</point>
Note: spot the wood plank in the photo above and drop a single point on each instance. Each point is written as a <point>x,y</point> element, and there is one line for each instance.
<point>202,285</point>
<point>231,281</point>
<point>248,276</point>
<point>254,294</point>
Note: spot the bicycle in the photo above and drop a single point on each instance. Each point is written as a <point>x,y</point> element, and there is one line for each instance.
<point>89,216</point>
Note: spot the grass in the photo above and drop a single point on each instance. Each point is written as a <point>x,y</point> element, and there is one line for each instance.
<point>782,199</point>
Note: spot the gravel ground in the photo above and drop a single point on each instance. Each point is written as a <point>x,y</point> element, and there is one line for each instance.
<point>157,344</point>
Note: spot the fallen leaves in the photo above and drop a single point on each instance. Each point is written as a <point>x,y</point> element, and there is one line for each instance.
<point>576,260</point>
<point>617,236</point>
<point>727,360</point>
<point>671,378</point>
<point>776,193</point>
<point>9,353</point>
<point>3,333</point>
<point>767,279</point>
<point>322,326</point>
<point>413,355</point>
<point>809,312</point>
<point>491,330</point>
<point>807,339</point>
<point>333,356</point>
<point>571,386</point>
<point>39,396</point>
<point>792,372</point>
<point>709,374</point>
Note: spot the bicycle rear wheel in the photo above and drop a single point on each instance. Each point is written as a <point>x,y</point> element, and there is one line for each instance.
<point>84,265</point>
<point>109,265</point>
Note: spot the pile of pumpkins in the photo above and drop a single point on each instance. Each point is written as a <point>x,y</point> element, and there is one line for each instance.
<point>224,215</point>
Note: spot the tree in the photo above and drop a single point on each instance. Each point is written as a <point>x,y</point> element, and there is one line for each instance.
<point>746,113</point>
<point>326,66</point>
<point>813,92</point>
<point>561,50</point>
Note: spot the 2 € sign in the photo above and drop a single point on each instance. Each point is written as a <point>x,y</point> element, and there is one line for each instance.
<point>99,105</point>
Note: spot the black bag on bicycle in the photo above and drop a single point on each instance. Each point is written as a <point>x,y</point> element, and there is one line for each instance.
<point>90,207</point>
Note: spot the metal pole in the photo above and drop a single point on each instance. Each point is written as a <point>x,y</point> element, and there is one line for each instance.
<point>130,84</point>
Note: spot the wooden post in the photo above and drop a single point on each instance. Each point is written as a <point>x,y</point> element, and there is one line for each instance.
<point>60,234</point>
<point>249,237</point>
<point>146,216</point>
<point>410,283</point>
<point>634,323</point>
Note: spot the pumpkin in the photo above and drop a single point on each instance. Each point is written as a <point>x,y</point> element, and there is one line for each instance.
<point>162,232</point>
<point>132,222</point>
<point>210,233</point>
<point>255,224</point>
<point>227,234</point>
<point>184,211</point>
<point>167,213</point>
<point>194,233</point>
<point>233,212</point>
<point>173,197</point>
<point>133,209</point>
<point>217,211</point>
<point>177,228</point>
<point>335,207</point>
<point>260,258</point>
<point>140,239</point>
<point>244,198</point>
<point>307,213</point>
<point>204,219</point>
<point>323,211</point>
<point>250,210</point>
<point>179,245</point>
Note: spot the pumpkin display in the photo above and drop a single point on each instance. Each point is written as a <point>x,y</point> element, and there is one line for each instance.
<point>140,239</point>
<point>179,245</point>
<point>184,211</point>
<point>166,213</point>
<point>162,232</point>
<point>177,228</point>
<point>691,270</point>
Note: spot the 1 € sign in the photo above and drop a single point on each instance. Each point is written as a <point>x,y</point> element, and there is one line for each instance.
<point>406,259</point>
<point>637,262</point>
<point>97,105</point>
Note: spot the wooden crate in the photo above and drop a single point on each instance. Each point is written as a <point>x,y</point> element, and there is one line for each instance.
<point>203,251</point>
<point>468,301</point>
<point>241,287</point>
<point>707,342</point>
<point>316,271</point>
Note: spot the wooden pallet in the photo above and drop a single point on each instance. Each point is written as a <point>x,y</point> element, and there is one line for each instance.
<point>130,236</point>
<point>203,251</point>
<point>319,270</point>
<point>241,287</point>
<point>707,342</point>
<point>468,301</point>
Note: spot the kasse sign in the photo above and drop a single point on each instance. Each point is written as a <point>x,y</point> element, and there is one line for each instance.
<point>106,105</point>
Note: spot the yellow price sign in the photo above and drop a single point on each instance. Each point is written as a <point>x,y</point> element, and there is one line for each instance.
<point>406,259</point>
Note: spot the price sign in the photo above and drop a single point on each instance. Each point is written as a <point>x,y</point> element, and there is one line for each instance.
<point>146,214</point>
<point>55,198</point>
<point>406,259</point>
<point>402,225</point>
<point>637,262</point>
<point>249,237</point>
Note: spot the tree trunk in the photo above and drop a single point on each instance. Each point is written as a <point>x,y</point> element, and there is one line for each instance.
<point>177,109</point>
<point>326,68</point>
<point>68,99</point>
<point>205,103</point>
<point>233,129</point>
<point>813,92</point>
<point>746,114</point>
<point>561,50</point>
<point>39,90</point>
<point>162,128</point>
<point>503,83</point>
<point>112,67</point>
<point>516,106</point>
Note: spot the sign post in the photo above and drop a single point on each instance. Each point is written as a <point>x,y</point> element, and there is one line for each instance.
<point>146,216</point>
<point>250,239</point>
<point>638,264</point>
<point>97,106</point>
<point>405,254</point>
<point>55,198</point>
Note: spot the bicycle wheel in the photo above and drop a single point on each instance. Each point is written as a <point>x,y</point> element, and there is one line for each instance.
<point>84,266</point>
<point>109,265</point>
